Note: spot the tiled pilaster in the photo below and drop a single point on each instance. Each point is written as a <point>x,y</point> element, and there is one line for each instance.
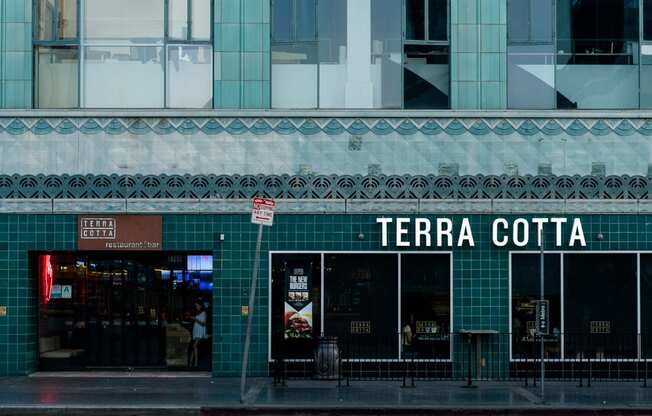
<point>478,54</point>
<point>242,54</point>
<point>15,54</point>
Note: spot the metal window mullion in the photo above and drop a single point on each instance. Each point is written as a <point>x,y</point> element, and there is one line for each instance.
<point>426,15</point>
<point>81,73</point>
<point>189,36</point>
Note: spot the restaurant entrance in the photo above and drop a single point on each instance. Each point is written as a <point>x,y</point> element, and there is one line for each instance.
<point>124,310</point>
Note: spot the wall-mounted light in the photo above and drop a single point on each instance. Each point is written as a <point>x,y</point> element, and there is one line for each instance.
<point>600,237</point>
<point>361,236</point>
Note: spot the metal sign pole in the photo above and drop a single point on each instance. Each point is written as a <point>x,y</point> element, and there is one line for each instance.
<point>252,298</point>
<point>543,368</point>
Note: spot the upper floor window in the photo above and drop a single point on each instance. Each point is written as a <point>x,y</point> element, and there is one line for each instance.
<point>349,54</point>
<point>589,61</point>
<point>121,56</point>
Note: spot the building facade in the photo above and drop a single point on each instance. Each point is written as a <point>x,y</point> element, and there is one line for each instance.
<point>415,150</point>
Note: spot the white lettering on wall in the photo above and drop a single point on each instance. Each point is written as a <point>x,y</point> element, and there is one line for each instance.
<point>465,234</point>
<point>401,230</point>
<point>383,230</point>
<point>502,222</point>
<point>422,229</point>
<point>577,233</point>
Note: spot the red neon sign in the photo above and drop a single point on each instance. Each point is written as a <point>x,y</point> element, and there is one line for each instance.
<point>46,278</point>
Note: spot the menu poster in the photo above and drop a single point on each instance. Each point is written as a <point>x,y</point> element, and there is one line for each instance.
<point>298,305</point>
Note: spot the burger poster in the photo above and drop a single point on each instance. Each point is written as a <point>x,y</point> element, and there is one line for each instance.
<point>298,305</point>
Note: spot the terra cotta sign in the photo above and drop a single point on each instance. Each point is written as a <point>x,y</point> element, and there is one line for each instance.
<point>120,232</point>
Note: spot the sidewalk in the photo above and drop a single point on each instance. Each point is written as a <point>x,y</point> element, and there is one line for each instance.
<point>206,396</point>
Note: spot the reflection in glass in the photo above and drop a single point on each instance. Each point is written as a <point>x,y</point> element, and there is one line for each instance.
<point>386,55</point>
<point>201,20</point>
<point>530,54</point>
<point>57,19</point>
<point>425,306</point>
<point>294,75</point>
<point>361,303</point>
<point>189,71</point>
<point>123,77</point>
<point>526,281</point>
<point>56,75</point>
<point>306,20</point>
<point>426,77</point>
<point>124,21</point>
<point>282,17</point>
<point>600,305</point>
<point>178,19</point>
<point>597,54</point>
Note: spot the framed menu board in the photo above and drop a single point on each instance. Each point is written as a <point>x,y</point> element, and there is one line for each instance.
<point>298,303</point>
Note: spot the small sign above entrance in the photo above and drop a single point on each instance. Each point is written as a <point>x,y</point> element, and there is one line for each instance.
<point>120,232</point>
<point>262,212</point>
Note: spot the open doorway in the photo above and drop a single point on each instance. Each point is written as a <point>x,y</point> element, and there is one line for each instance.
<point>124,310</point>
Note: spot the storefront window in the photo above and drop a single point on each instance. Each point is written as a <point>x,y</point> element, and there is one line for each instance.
<point>597,54</point>
<point>296,305</point>
<point>127,310</point>
<point>124,21</point>
<point>361,303</point>
<point>600,306</point>
<point>646,305</point>
<point>425,306</point>
<point>526,289</point>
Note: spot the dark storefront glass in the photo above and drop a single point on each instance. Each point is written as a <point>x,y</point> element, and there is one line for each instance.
<point>124,310</point>
<point>361,303</point>
<point>294,329</point>
<point>425,306</point>
<point>646,305</point>
<point>600,305</point>
<point>526,289</point>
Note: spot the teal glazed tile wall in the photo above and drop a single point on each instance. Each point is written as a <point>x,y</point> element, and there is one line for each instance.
<point>20,234</point>
<point>242,54</point>
<point>480,274</point>
<point>478,54</point>
<point>15,54</point>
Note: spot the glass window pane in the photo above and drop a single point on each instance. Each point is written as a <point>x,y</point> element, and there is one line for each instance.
<point>647,19</point>
<point>386,54</point>
<point>526,281</point>
<point>190,77</point>
<point>306,20</point>
<point>426,77</point>
<point>282,16</point>
<point>425,306</point>
<point>518,20</point>
<point>178,19</point>
<point>123,77</point>
<point>294,68</point>
<point>415,19</point>
<point>296,315</point>
<point>597,54</point>
<point>201,19</point>
<point>437,19</point>
<point>333,53</point>
<point>361,303</point>
<point>57,73</point>
<point>600,305</point>
<point>530,67</point>
<point>57,19</point>
<point>124,21</point>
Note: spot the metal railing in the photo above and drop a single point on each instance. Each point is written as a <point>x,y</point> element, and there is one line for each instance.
<point>569,357</point>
